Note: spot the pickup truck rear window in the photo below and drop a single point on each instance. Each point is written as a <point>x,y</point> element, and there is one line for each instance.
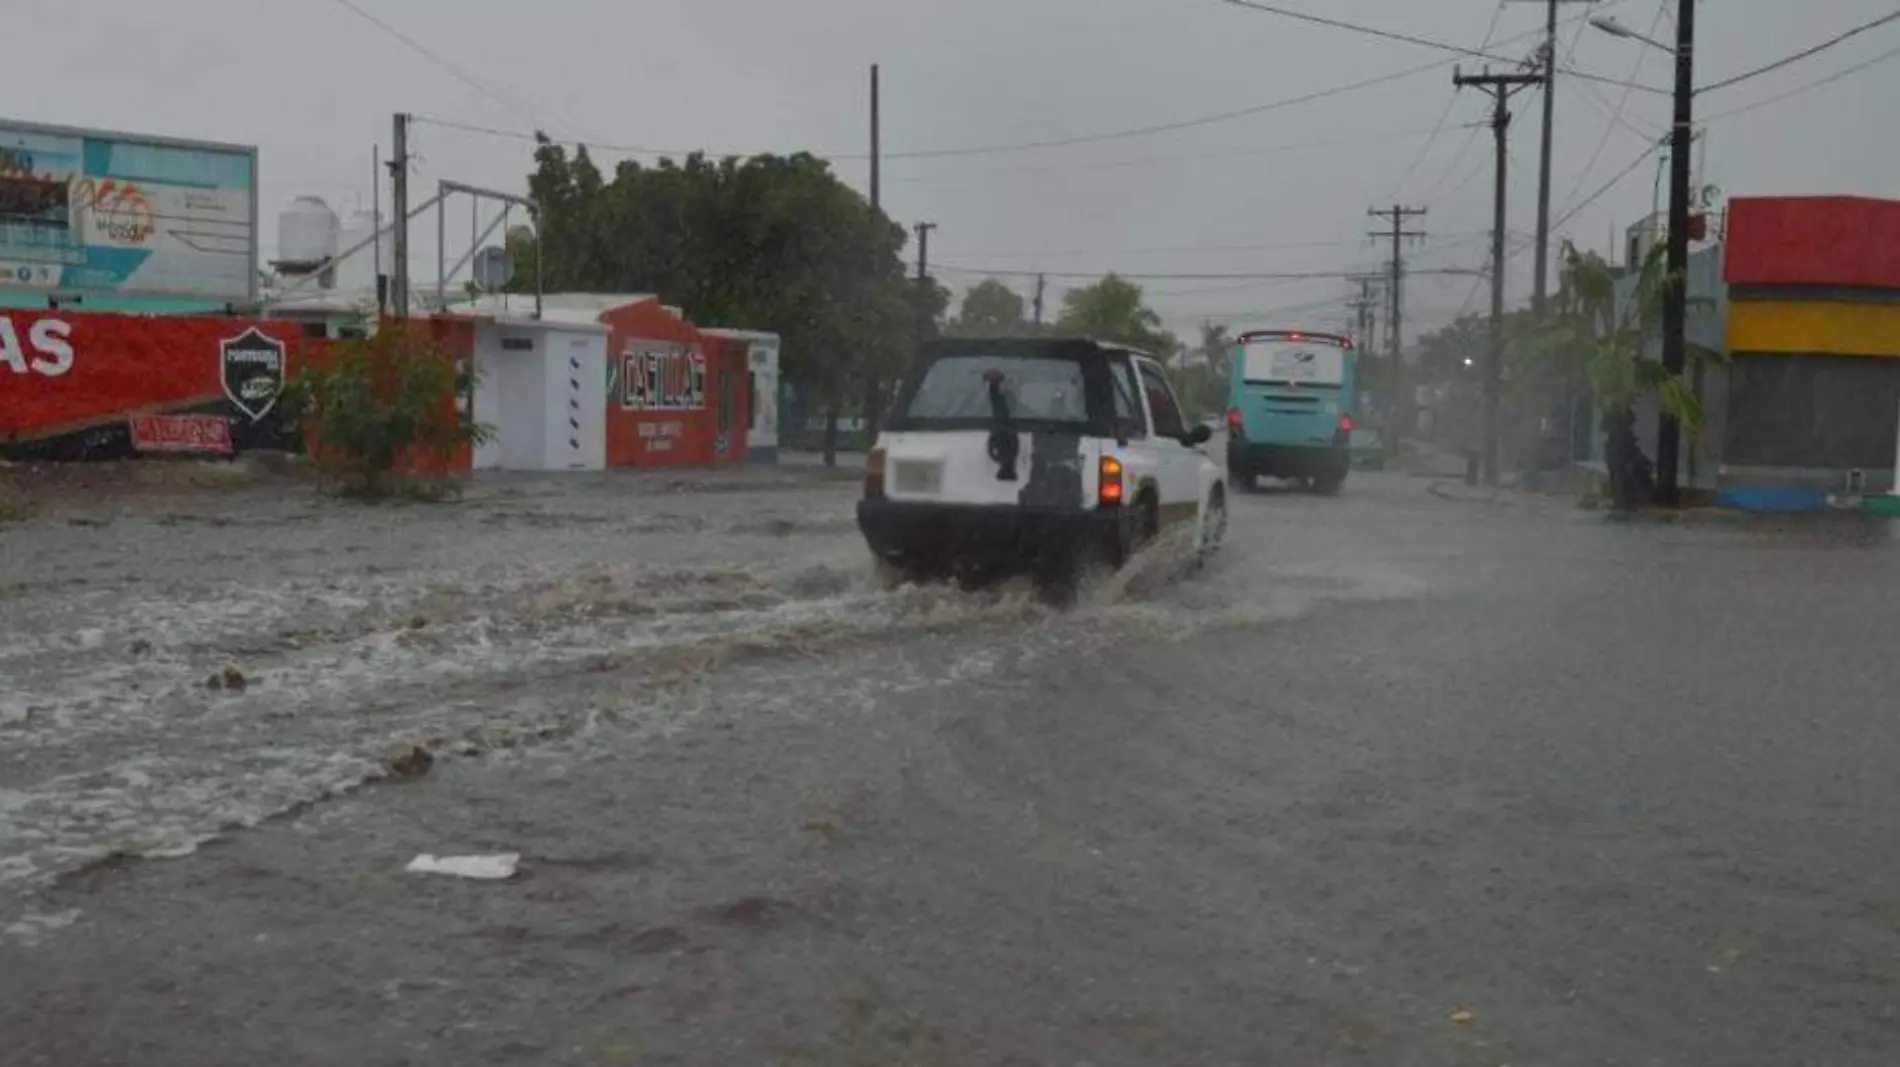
<point>957,389</point>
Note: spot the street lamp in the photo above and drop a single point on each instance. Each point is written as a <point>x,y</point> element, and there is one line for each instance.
<point>1676,283</point>
<point>1608,24</point>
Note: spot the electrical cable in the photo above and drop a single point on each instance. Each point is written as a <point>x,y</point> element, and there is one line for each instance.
<point>1424,150</point>
<point>1800,89</point>
<point>1423,42</point>
<point>1803,54</point>
<point>1596,154</point>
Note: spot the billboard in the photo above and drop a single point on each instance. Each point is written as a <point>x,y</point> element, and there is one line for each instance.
<point>102,215</point>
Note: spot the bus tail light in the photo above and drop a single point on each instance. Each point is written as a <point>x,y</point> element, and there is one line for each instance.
<point>1235,422</point>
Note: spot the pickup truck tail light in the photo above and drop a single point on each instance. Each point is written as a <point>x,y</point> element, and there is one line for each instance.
<point>1111,490</point>
<point>874,474</point>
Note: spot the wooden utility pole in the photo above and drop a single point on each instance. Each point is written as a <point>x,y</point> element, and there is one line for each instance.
<point>399,208</point>
<point>1547,63</point>
<point>1395,286</point>
<point>1675,312</point>
<point>1501,87</point>
<point>1041,281</point>
<point>877,135</point>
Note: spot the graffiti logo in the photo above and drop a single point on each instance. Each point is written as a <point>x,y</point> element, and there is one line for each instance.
<point>251,366</point>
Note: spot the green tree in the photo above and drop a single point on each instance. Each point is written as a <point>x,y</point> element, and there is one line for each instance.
<point>991,309</point>
<point>1113,310</point>
<point>1605,341</point>
<point>1203,372</point>
<point>380,414</point>
<point>770,242</point>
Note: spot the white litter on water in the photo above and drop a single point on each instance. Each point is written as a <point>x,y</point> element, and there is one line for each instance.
<point>484,868</point>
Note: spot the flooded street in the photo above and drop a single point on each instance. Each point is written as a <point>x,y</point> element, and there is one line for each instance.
<point>1395,780</point>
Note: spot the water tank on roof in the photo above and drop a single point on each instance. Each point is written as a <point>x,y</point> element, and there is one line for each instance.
<point>306,232</point>
<point>358,270</point>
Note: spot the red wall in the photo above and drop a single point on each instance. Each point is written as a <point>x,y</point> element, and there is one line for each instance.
<point>118,365</point>
<point>665,413</point>
<point>1833,241</point>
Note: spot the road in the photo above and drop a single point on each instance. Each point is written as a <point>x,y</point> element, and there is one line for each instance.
<point>1398,781</point>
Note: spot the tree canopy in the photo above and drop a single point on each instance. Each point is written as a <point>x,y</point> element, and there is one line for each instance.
<point>1113,309</point>
<point>771,242</point>
<point>991,309</point>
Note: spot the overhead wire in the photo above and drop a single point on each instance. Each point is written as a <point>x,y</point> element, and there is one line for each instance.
<point>1804,88</point>
<point>998,148</point>
<point>1796,57</point>
<point>992,149</point>
<point>1596,154</point>
<point>1497,15</point>
<point>1158,160</point>
<point>1414,39</point>
<point>492,91</point>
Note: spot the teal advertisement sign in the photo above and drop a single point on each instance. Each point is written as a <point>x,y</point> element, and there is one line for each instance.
<point>107,216</point>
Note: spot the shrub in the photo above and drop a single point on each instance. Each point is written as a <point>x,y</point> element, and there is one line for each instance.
<point>380,414</point>
<point>13,507</point>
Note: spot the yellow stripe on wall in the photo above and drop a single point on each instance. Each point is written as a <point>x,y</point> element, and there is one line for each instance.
<point>1814,327</point>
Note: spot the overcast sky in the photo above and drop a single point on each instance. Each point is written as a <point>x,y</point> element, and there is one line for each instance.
<point>314,85</point>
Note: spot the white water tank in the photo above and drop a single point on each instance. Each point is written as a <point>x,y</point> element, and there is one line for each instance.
<point>306,232</point>
<point>357,271</point>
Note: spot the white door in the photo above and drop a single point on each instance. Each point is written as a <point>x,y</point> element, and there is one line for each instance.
<point>1178,465</point>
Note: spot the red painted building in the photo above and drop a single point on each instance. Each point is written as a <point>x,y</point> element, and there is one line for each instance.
<point>70,383</point>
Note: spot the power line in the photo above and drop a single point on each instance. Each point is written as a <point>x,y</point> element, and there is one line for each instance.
<point>1155,160</point>
<point>995,149</point>
<point>991,149</point>
<point>1188,249</point>
<point>1164,276</point>
<point>1413,39</point>
<point>480,85</point>
<point>1607,186</point>
<point>1803,54</point>
<point>1800,89</point>
<point>1138,276</point>
<point>1642,56</point>
<point>1424,150</point>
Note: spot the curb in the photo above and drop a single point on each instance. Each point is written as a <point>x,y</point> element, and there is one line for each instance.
<point>1442,490</point>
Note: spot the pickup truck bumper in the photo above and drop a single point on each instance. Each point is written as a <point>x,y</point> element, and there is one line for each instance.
<point>947,537</point>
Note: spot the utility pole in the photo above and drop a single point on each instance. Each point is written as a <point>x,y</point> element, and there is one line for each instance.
<point>1041,281</point>
<point>1500,86</point>
<point>1540,284</point>
<point>1363,307</point>
<point>923,278</point>
<point>1397,214</point>
<point>399,207</point>
<point>1675,347</point>
<point>876,140</point>
<point>923,248</point>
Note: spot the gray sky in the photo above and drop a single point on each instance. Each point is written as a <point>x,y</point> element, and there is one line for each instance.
<point>313,86</point>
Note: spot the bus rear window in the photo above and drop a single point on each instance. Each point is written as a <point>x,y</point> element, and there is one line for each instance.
<point>1283,361</point>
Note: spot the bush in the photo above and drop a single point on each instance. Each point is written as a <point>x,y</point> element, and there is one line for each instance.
<point>380,414</point>
<point>13,507</point>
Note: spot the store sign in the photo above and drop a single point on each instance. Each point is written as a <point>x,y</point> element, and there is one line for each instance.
<point>181,433</point>
<point>663,377</point>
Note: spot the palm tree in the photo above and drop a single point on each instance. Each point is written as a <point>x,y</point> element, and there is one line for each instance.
<point>1590,334</point>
